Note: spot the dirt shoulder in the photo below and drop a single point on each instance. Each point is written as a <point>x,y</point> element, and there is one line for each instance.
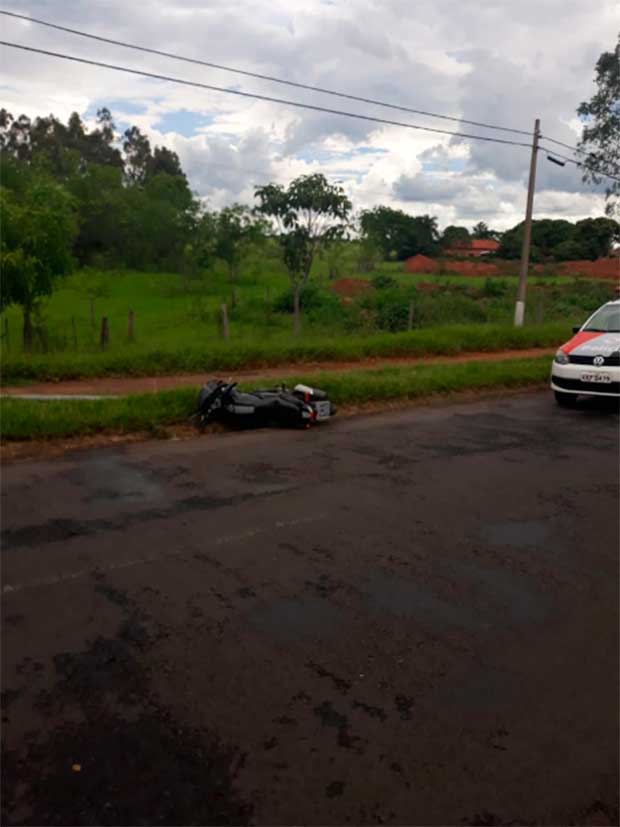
<point>125,385</point>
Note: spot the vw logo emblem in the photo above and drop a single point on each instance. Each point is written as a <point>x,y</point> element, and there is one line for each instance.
<point>599,360</point>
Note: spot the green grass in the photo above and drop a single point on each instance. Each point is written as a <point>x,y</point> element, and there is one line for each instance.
<point>177,330</point>
<point>196,357</point>
<point>25,419</point>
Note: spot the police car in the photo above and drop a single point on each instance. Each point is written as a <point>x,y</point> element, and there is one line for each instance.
<point>589,363</point>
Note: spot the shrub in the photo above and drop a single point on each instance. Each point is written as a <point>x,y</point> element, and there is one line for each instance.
<point>383,281</point>
<point>494,288</point>
<point>312,297</point>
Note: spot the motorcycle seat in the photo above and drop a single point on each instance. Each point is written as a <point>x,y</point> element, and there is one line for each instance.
<point>252,400</point>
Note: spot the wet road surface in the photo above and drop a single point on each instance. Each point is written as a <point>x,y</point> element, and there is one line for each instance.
<point>409,618</point>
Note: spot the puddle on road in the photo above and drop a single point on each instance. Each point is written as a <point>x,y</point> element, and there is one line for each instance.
<point>111,478</point>
<point>516,533</point>
<point>407,599</point>
<point>506,595</point>
<point>495,598</point>
<point>288,619</point>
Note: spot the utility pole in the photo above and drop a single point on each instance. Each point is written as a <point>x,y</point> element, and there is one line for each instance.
<point>527,230</point>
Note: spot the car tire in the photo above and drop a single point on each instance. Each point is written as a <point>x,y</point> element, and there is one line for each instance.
<point>566,400</point>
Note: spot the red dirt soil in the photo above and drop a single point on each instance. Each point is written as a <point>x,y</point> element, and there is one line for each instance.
<point>348,288</point>
<point>602,268</point>
<point>421,264</point>
<point>472,268</point>
<point>124,385</point>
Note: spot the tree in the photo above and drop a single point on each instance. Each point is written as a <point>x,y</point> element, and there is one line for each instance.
<point>334,253</point>
<point>594,237</point>
<point>368,254</point>
<point>99,195</point>
<point>138,158</point>
<point>233,232</point>
<point>600,138</point>
<point>400,235</point>
<point>136,214</point>
<point>547,233</point>
<point>482,230</point>
<point>37,234</point>
<point>309,213</point>
<point>100,142</point>
<point>155,223</point>
<point>567,250</point>
<point>93,285</point>
<point>454,236</point>
<point>165,160</point>
<point>561,240</point>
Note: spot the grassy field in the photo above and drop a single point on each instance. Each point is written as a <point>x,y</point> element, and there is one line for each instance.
<point>177,324</point>
<point>270,352</point>
<point>27,420</point>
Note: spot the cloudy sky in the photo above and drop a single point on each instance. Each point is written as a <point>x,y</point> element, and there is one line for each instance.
<point>497,61</point>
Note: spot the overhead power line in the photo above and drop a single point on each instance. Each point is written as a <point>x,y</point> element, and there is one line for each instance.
<point>566,146</point>
<point>583,164</point>
<point>257,96</point>
<point>286,102</point>
<point>259,76</point>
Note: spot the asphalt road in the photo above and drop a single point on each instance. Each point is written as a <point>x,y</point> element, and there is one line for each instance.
<point>406,618</point>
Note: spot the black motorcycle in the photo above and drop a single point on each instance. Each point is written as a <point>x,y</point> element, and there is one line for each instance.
<point>300,407</point>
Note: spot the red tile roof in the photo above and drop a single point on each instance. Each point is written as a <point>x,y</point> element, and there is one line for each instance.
<point>483,244</point>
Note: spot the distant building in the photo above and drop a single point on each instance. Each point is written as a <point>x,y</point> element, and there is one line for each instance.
<point>475,247</point>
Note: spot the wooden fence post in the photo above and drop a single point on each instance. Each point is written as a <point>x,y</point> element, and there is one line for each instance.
<point>104,337</point>
<point>7,342</point>
<point>225,330</point>
<point>410,317</point>
<point>75,339</point>
<point>130,326</point>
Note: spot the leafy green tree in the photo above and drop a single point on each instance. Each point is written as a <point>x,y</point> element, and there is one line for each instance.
<point>99,195</point>
<point>138,157</point>
<point>594,236</point>
<point>547,233</point>
<point>568,250</point>
<point>93,285</point>
<point>14,136</point>
<point>35,250</point>
<point>454,236</point>
<point>310,213</point>
<point>482,230</point>
<point>101,142</point>
<point>155,223</point>
<point>233,233</point>
<point>165,160</point>
<point>334,254</point>
<point>368,254</point>
<point>400,235</point>
<point>600,138</point>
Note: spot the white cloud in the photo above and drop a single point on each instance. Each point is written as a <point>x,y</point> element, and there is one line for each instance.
<point>497,62</point>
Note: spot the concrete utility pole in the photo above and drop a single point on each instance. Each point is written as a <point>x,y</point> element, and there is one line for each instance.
<point>527,230</point>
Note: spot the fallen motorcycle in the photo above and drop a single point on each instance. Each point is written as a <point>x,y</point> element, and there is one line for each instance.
<point>302,406</point>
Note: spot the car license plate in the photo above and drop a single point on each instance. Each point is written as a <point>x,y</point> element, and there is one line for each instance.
<point>603,378</point>
<point>323,409</point>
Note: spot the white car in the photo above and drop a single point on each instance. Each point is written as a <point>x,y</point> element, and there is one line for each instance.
<point>589,363</point>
